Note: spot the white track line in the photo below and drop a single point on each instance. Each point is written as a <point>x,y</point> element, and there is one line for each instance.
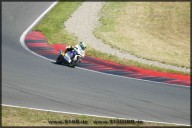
<point>45,110</point>
<point>135,78</point>
<point>22,38</point>
<point>22,41</point>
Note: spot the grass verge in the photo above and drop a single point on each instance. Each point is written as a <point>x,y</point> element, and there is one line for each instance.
<point>157,31</point>
<point>52,25</point>
<point>12,116</point>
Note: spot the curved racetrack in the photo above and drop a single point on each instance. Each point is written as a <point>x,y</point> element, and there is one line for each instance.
<point>30,81</point>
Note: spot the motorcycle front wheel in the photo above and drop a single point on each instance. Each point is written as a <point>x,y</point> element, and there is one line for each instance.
<point>75,63</point>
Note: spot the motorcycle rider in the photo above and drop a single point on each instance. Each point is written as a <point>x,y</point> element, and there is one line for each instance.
<point>76,47</point>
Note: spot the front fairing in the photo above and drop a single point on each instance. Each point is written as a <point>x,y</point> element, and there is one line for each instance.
<point>80,51</point>
<point>67,56</point>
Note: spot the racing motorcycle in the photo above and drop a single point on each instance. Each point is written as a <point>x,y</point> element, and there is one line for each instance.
<point>73,58</point>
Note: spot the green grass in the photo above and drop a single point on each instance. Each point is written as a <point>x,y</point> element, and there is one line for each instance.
<point>12,116</point>
<point>157,31</point>
<point>52,25</point>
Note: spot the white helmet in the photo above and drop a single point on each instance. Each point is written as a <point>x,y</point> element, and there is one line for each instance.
<point>82,45</point>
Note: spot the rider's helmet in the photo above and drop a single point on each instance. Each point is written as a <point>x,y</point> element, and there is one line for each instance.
<point>82,45</point>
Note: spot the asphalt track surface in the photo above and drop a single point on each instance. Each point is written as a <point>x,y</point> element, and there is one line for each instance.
<point>30,81</point>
